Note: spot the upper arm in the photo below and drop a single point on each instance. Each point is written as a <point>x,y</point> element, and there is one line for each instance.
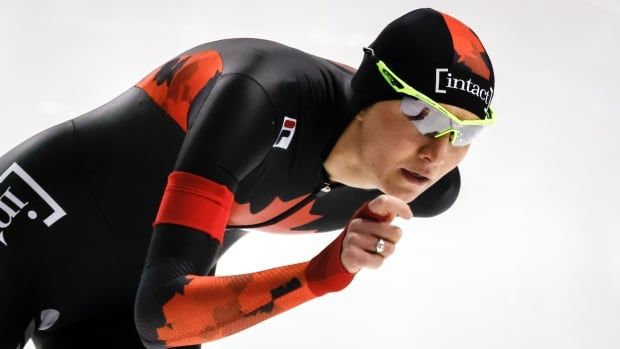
<point>230,135</point>
<point>232,132</point>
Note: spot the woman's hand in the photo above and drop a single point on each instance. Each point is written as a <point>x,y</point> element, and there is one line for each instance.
<point>361,244</point>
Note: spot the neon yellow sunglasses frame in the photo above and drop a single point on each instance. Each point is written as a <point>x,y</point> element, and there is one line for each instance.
<point>401,86</point>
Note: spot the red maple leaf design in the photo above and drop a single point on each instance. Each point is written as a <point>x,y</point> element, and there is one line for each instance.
<point>468,47</point>
<point>242,215</point>
<point>189,75</point>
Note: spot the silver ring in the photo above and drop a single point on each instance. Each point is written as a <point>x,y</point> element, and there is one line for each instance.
<point>380,246</point>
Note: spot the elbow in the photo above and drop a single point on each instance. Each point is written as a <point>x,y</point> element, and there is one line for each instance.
<point>158,285</point>
<point>160,281</point>
<point>147,318</point>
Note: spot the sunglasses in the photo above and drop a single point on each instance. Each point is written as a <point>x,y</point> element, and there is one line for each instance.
<point>428,116</point>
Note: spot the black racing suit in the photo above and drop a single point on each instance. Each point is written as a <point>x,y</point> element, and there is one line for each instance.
<point>227,136</point>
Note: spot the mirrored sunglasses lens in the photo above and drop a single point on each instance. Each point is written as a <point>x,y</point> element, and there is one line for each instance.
<point>467,134</point>
<point>425,118</point>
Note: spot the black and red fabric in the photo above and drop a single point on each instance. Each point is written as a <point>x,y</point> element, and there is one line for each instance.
<point>160,181</point>
<point>434,53</point>
<point>195,202</point>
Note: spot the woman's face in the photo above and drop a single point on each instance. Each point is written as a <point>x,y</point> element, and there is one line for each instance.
<point>400,160</point>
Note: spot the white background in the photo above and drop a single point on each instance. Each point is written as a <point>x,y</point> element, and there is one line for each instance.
<point>529,255</point>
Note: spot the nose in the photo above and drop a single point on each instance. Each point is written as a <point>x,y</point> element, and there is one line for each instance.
<point>435,150</point>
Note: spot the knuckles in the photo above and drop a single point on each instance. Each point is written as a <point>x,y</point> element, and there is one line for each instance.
<point>381,199</point>
<point>398,233</point>
<point>350,239</point>
<point>379,202</point>
<point>356,224</point>
<point>355,245</point>
<point>361,258</point>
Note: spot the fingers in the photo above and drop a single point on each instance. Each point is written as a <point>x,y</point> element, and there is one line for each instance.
<point>388,232</point>
<point>386,204</point>
<point>360,242</point>
<point>354,259</point>
<point>359,247</point>
<point>368,243</point>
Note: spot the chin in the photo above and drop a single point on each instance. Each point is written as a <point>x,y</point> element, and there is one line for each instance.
<point>405,193</point>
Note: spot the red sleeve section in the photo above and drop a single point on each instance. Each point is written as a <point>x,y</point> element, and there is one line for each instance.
<point>325,272</point>
<point>195,202</point>
<point>210,308</point>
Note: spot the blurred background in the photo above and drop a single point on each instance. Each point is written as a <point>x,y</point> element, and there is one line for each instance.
<point>528,257</point>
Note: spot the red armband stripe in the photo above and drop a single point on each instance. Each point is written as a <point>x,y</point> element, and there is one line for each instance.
<point>195,202</point>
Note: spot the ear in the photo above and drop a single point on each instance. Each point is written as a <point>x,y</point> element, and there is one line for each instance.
<point>360,115</point>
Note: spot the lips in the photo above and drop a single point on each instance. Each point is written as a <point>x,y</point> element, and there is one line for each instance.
<point>414,177</point>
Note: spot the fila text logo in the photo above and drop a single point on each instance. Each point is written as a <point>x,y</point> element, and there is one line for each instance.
<point>286,133</point>
<point>17,197</point>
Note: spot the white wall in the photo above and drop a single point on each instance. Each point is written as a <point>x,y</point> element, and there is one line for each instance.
<point>529,255</point>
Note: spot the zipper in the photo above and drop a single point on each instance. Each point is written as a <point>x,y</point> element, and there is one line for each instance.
<point>323,190</point>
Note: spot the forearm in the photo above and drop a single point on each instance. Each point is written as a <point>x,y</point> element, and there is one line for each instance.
<point>205,308</point>
<point>214,307</point>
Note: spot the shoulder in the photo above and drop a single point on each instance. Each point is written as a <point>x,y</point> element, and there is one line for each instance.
<point>284,72</point>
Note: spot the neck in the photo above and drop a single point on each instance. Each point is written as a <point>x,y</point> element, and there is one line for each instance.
<point>343,164</point>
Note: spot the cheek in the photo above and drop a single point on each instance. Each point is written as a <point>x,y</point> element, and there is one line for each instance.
<point>461,153</point>
<point>455,158</point>
<point>386,148</point>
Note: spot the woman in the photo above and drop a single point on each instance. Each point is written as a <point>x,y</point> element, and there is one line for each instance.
<point>126,209</point>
